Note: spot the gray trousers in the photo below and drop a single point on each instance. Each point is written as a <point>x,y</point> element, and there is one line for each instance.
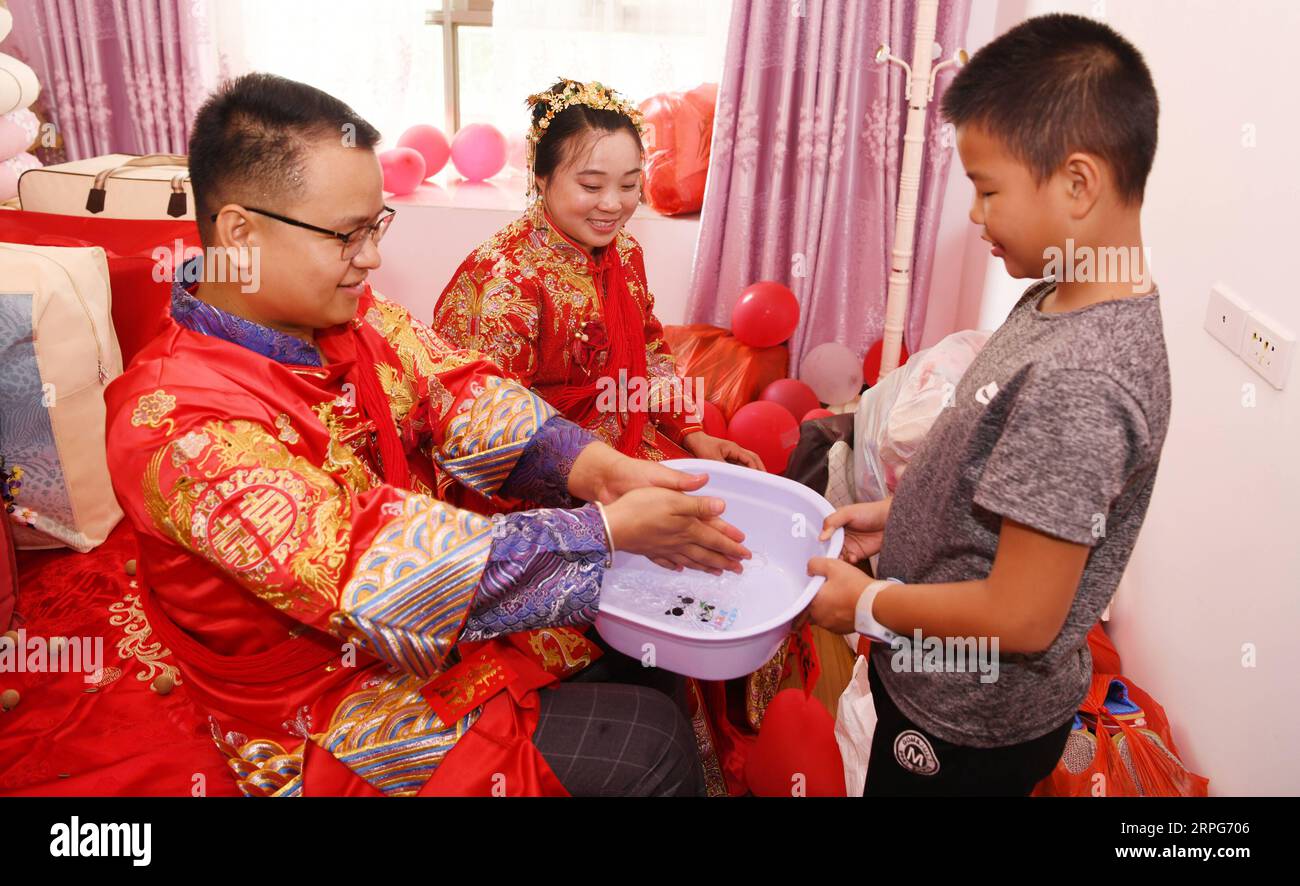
<point>617,740</point>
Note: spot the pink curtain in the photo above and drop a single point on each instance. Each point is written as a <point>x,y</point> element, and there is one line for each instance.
<point>118,76</point>
<point>803,180</point>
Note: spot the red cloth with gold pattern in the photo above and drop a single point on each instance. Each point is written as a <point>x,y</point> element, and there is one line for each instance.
<point>308,602</point>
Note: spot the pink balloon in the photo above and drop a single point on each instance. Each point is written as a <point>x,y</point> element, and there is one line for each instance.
<point>765,315</point>
<point>791,393</point>
<point>432,145</point>
<point>767,429</point>
<point>833,372</point>
<point>9,184</point>
<point>479,151</point>
<point>715,423</point>
<point>403,170</point>
<point>814,414</point>
<point>517,151</point>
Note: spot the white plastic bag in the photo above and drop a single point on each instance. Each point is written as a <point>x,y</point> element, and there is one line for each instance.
<point>855,724</point>
<point>894,417</point>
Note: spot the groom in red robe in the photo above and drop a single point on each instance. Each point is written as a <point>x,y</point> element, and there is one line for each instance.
<point>279,450</point>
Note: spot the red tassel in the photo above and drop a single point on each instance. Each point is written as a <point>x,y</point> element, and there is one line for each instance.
<point>626,331</point>
<point>374,403</point>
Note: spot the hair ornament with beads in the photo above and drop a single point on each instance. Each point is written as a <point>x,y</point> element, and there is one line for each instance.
<point>565,94</point>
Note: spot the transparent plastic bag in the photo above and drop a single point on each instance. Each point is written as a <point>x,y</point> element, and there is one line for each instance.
<point>894,417</point>
<point>677,156</point>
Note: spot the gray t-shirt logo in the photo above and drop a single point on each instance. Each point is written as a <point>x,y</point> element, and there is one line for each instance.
<point>986,393</point>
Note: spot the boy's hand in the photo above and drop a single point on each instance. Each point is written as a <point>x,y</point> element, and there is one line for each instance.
<point>864,528</point>
<point>833,607</point>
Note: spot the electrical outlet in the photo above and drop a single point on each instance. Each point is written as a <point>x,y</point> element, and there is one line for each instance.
<point>1267,347</point>
<point>1225,317</point>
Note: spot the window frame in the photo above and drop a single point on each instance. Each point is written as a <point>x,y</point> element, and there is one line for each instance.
<point>451,17</point>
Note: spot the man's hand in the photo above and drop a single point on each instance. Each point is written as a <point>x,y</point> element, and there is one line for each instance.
<point>702,445</point>
<point>676,531</point>
<point>601,473</point>
<point>837,599</point>
<point>864,528</point>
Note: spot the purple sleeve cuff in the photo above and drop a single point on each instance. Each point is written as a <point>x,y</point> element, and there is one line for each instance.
<point>544,569</point>
<point>541,475</point>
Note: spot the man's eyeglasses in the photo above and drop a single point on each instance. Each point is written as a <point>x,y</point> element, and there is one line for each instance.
<point>353,241</point>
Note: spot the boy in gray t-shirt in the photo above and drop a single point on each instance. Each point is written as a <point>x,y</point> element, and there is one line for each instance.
<point>1014,522</point>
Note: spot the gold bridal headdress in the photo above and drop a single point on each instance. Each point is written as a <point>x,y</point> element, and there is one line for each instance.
<point>593,95</point>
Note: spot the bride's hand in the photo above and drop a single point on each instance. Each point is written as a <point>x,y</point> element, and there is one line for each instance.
<point>703,445</point>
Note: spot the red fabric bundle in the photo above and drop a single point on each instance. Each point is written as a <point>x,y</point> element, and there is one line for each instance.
<point>138,252</point>
<point>114,736</point>
<point>734,373</point>
<point>680,127</point>
<point>1105,657</point>
<point>1121,754</point>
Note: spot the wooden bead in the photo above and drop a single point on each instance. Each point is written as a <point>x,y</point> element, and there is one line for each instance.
<point>130,567</point>
<point>9,699</point>
<point>162,684</point>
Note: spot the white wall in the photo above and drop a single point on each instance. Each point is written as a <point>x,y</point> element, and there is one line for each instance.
<point>960,256</point>
<point>1218,563</point>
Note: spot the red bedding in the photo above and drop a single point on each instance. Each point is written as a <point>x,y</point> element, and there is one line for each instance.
<point>122,738</point>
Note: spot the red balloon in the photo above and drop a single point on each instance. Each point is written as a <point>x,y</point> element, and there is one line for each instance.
<point>715,424</point>
<point>871,362</point>
<point>791,393</point>
<point>765,315</point>
<point>767,429</point>
<point>797,739</point>
<point>813,414</point>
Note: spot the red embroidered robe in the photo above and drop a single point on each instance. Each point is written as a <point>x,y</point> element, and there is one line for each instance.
<point>307,602</point>
<point>527,296</point>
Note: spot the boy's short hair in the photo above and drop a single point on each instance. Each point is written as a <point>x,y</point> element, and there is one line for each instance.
<point>250,137</point>
<point>1060,83</point>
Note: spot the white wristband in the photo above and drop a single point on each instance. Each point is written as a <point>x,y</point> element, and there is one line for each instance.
<point>864,622</point>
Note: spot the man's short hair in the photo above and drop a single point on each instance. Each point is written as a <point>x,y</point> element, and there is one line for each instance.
<point>1056,84</point>
<point>250,138</point>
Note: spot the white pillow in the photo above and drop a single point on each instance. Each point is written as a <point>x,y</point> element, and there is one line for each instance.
<point>58,352</point>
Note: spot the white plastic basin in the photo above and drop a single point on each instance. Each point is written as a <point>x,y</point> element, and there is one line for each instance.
<point>720,627</point>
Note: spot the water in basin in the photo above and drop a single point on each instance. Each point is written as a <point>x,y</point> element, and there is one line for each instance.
<point>696,602</point>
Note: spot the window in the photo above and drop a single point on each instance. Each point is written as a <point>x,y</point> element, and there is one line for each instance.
<point>463,30</point>
<point>452,62</point>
